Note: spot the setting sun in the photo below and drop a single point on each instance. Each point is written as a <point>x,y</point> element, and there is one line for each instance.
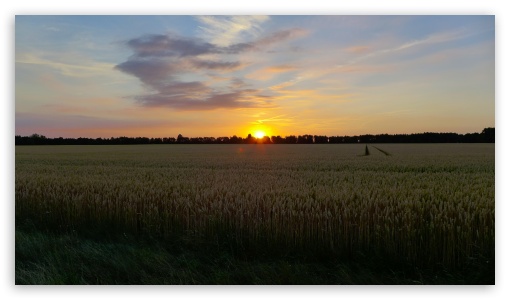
<point>259,134</point>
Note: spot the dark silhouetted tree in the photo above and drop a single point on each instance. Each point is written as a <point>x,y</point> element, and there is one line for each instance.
<point>489,135</point>
<point>249,139</point>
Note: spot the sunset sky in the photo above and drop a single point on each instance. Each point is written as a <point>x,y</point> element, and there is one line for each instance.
<point>160,76</point>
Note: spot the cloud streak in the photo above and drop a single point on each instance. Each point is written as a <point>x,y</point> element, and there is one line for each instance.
<point>270,71</point>
<point>227,30</point>
<point>237,99</point>
<point>431,39</point>
<point>85,69</point>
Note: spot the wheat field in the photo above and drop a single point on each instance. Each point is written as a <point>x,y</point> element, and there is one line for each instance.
<point>424,204</point>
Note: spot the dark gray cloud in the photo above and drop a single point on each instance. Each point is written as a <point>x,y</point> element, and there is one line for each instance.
<point>281,35</point>
<point>159,45</point>
<point>235,99</point>
<point>215,65</point>
<point>150,71</point>
<point>191,89</point>
<point>263,43</point>
<point>159,61</point>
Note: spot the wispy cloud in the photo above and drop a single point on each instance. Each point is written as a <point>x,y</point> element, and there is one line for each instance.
<point>161,45</point>
<point>357,49</point>
<point>270,71</point>
<point>285,84</point>
<point>215,65</point>
<point>227,30</point>
<point>281,68</point>
<point>237,99</point>
<point>280,119</point>
<point>431,39</point>
<point>85,69</point>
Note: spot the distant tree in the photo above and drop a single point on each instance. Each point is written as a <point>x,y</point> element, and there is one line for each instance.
<point>169,140</point>
<point>277,140</point>
<point>291,139</point>
<point>236,140</point>
<point>182,140</point>
<point>305,139</point>
<point>335,139</point>
<point>265,140</point>
<point>37,139</point>
<point>489,135</point>
<point>367,138</point>
<point>249,139</point>
<point>37,136</point>
<point>320,139</point>
<point>223,140</point>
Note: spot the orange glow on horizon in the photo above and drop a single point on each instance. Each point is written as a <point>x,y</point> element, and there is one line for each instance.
<point>258,131</point>
<point>259,134</point>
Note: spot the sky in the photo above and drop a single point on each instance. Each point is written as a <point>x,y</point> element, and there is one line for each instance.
<point>160,76</point>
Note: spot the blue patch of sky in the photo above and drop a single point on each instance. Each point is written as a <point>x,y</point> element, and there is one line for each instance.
<point>99,37</point>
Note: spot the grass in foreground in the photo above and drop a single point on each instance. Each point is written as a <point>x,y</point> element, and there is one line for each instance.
<point>44,257</point>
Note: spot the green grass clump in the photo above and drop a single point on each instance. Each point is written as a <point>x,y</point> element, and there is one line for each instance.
<point>47,258</point>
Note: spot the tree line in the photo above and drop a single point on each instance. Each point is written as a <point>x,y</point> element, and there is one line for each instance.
<point>486,136</point>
